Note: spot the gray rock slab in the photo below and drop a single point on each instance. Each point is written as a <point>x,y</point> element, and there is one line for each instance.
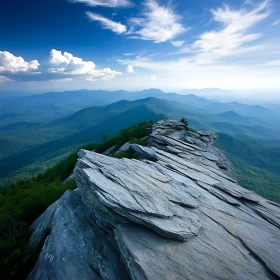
<point>76,247</point>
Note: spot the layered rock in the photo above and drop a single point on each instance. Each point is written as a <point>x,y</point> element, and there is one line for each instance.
<point>178,213</point>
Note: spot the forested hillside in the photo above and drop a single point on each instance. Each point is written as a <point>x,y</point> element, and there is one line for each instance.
<point>257,167</point>
<point>55,148</point>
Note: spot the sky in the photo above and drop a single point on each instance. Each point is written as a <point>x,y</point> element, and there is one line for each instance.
<point>138,44</point>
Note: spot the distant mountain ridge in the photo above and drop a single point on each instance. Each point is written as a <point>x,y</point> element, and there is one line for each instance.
<point>52,105</point>
<point>51,149</point>
<point>25,135</point>
<point>52,118</point>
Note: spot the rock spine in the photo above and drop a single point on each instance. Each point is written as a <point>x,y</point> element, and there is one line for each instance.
<point>178,213</point>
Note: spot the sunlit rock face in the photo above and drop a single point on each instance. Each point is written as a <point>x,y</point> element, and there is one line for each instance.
<point>178,213</point>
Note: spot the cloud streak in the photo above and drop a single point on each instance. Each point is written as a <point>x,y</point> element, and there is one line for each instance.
<point>233,36</point>
<point>116,27</point>
<point>276,22</point>
<point>104,3</point>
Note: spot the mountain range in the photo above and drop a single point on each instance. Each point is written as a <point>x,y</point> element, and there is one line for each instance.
<point>48,106</point>
<point>38,129</point>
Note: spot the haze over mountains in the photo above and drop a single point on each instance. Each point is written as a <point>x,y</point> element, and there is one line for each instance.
<point>39,109</point>
<point>57,104</point>
<point>40,128</point>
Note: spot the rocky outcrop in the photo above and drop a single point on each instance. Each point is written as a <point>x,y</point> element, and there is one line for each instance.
<point>178,213</point>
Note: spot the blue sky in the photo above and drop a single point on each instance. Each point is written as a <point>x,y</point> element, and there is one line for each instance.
<point>129,44</point>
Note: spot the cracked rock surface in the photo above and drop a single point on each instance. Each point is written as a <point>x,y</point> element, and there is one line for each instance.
<point>178,213</point>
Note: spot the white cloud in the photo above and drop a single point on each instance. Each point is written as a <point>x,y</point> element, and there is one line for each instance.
<point>67,64</point>
<point>13,64</point>
<point>178,44</point>
<point>276,22</point>
<point>233,37</point>
<point>153,77</point>
<point>157,23</point>
<point>104,3</point>
<point>129,69</point>
<point>116,27</point>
